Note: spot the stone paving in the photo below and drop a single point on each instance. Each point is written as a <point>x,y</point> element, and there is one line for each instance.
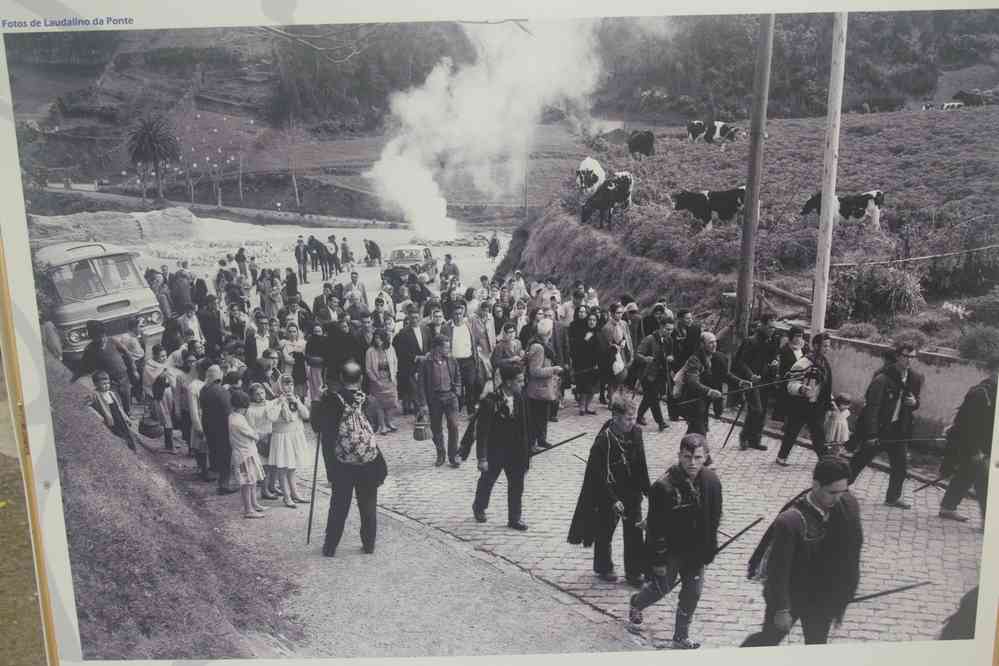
<point>900,546</point>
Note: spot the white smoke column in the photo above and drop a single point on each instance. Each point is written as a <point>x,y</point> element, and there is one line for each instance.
<point>468,127</point>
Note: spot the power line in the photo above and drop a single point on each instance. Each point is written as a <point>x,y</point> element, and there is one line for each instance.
<point>984,248</point>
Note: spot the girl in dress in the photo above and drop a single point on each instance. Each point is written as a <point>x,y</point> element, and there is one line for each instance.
<point>199,445</point>
<point>837,421</point>
<point>246,468</point>
<point>382,368</point>
<point>289,450</point>
<point>261,414</point>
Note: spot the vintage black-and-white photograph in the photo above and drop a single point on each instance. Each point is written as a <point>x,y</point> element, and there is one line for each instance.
<point>517,337</point>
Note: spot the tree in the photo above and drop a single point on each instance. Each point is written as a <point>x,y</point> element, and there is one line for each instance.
<point>152,144</point>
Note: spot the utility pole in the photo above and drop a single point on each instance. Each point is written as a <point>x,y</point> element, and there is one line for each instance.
<point>830,204</point>
<point>527,169</point>
<point>751,214</point>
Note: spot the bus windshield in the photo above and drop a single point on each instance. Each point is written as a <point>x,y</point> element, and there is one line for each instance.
<point>92,278</point>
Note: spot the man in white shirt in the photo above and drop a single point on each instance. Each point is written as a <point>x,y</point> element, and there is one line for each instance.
<point>465,341</point>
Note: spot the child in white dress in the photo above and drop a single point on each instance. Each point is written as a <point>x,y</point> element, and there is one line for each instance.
<point>837,423</point>
<point>289,450</point>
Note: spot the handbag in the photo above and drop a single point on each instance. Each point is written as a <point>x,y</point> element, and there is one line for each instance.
<point>421,431</point>
<point>264,446</point>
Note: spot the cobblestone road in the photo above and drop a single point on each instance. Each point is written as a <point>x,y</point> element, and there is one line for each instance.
<point>900,546</point>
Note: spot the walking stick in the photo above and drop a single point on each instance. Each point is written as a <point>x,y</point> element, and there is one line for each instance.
<point>734,421</point>
<point>312,504</point>
<point>737,391</point>
<point>885,593</point>
<point>739,534</point>
<point>933,483</point>
<point>555,446</point>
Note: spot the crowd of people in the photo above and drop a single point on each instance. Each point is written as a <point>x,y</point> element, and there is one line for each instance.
<point>239,379</point>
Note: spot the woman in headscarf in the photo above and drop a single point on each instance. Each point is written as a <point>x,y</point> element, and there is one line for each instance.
<point>315,349</point>
<point>293,357</point>
<point>584,348</point>
<point>382,368</point>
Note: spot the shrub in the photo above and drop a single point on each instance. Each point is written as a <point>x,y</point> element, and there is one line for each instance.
<point>980,343</point>
<point>985,309</point>
<point>910,336</point>
<point>930,322</point>
<point>861,331</point>
<point>872,292</point>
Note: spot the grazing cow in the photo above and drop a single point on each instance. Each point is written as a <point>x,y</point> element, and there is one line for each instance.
<point>952,106</point>
<point>589,176</point>
<point>711,132</point>
<point>927,106</point>
<point>615,192</point>
<point>852,206</point>
<point>704,205</point>
<point>642,143</point>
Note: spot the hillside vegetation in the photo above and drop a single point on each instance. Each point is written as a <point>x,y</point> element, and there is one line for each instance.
<point>938,172</point>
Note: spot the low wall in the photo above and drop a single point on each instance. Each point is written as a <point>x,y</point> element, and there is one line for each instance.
<point>947,379</point>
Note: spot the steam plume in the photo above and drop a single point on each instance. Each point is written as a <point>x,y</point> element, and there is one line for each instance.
<point>469,127</point>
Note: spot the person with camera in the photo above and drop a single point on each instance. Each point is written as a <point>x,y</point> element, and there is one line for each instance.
<point>501,445</point>
<point>891,399</point>
<point>289,450</point>
<point>354,464</point>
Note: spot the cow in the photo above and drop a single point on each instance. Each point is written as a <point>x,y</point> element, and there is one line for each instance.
<point>928,106</point>
<point>615,192</point>
<point>589,176</point>
<point>642,143</point>
<point>852,206</point>
<point>706,204</point>
<point>711,132</point>
<point>952,106</point>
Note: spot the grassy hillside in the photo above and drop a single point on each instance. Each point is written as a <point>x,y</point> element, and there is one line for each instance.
<point>153,577</point>
<point>938,172</point>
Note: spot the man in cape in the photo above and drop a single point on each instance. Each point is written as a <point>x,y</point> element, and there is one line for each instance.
<point>617,476</point>
<point>809,559</point>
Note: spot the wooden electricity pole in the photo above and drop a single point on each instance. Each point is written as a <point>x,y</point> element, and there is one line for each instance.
<point>751,216</point>
<point>527,170</point>
<point>830,205</point>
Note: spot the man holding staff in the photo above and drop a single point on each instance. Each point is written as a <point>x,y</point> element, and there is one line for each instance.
<point>685,506</point>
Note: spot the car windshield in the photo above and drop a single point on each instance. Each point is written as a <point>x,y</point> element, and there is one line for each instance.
<point>91,278</point>
<point>407,255</point>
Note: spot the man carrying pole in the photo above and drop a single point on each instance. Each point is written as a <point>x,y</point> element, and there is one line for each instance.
<point>756,361</point>
<point>969,447</point>
<point>892,397</point>
<point>809,559</point>
<point>685,506</point>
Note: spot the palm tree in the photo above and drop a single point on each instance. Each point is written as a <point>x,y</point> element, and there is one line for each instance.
<point>153,142</point>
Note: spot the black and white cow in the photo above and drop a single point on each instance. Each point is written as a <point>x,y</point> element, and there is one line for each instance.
<point>711,132</point>
<point>615,192</point>
<point>642,143</point>
<point>589,176</point>
<point>852,206</point>
<point>952,106</point>
<point>706,204</point>
<point>929,106</point>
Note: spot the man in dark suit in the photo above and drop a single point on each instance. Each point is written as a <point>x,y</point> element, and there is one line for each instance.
<point>502,445</point>
<point>891,399</point>
<point>411,345</point>
<point>215,409</point>
<point>756,362</point>
<point>789,354</point>
<point>687,336</point>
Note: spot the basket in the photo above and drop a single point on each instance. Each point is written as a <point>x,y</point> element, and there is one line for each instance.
<point>421,431</point>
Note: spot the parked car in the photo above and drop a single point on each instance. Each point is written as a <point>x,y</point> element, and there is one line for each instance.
<point>408,259</point>
<point>88,280</point>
